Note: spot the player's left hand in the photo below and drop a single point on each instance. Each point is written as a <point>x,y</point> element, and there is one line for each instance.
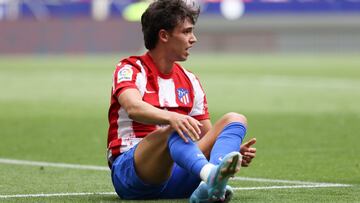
<point>248,152</point>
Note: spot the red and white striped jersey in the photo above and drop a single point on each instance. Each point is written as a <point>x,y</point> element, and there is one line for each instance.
<point>180,91</point>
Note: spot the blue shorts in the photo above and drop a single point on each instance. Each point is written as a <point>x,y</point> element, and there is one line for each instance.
<point>128,185</point>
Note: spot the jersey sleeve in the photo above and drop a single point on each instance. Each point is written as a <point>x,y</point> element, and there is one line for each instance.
<point>124,78</point>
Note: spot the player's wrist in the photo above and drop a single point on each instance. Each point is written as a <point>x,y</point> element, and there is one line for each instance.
<point>169,117</point>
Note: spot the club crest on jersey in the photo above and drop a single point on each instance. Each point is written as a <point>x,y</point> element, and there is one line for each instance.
<point>125,74</point>
<point>183,95</point>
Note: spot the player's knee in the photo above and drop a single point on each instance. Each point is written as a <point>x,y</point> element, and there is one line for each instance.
<point>234,117</point>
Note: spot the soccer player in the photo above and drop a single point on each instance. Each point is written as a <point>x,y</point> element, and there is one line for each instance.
<point>161,143</point>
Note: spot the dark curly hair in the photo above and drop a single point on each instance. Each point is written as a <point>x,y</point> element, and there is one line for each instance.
<point>165,14</point>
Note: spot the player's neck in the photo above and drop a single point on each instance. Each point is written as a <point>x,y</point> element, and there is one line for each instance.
<point>161,60</point>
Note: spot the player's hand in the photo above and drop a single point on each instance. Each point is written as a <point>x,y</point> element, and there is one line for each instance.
<point>184,124</point>
<point>248,152</point>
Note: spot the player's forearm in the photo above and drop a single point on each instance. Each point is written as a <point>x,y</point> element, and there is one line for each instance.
<point>145,113</point>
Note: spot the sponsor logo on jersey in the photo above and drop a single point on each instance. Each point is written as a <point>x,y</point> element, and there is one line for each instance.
<point>125,74</point>
<point>183,95</point>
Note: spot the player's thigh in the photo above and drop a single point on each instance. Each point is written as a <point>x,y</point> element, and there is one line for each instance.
<point>207,142</point>
<point>152,159</point>
<point>127,183</point>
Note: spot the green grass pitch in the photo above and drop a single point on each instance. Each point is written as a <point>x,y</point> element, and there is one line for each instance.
<point>304,111</point>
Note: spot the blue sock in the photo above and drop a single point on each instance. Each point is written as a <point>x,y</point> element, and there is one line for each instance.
<point>186,155</point>
<point>228,141</point>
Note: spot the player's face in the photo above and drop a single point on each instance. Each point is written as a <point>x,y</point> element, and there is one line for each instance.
<point>181,39</point>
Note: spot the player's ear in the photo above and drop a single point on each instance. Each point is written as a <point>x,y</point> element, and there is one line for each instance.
<point>163,35</point>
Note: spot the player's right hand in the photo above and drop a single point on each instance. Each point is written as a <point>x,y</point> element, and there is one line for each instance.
<point>185,125</point>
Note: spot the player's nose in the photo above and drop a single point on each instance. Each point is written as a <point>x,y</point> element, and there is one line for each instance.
<point>193,38</point>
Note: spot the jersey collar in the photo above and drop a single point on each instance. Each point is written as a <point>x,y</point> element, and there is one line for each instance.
<point>149,62</point>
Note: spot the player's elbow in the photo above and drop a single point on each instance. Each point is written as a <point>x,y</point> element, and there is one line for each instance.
<point>133,111</point>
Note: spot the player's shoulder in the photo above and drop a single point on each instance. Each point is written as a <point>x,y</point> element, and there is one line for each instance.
<point>131,62</point>
<point>127,69</point>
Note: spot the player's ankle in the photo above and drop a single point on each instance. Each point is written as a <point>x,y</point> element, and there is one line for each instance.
<point>205,172</point>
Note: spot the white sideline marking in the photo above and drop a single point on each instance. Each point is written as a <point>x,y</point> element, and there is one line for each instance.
<point>113,193</point>
<point>281,181</point>
<point>298,184</point>
<point>57,194</point>
<point>58,165</point>
<point>291,186</point>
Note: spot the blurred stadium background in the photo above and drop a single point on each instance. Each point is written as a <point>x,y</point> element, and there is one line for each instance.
<point>291,66</point>
<point>98,26</point>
